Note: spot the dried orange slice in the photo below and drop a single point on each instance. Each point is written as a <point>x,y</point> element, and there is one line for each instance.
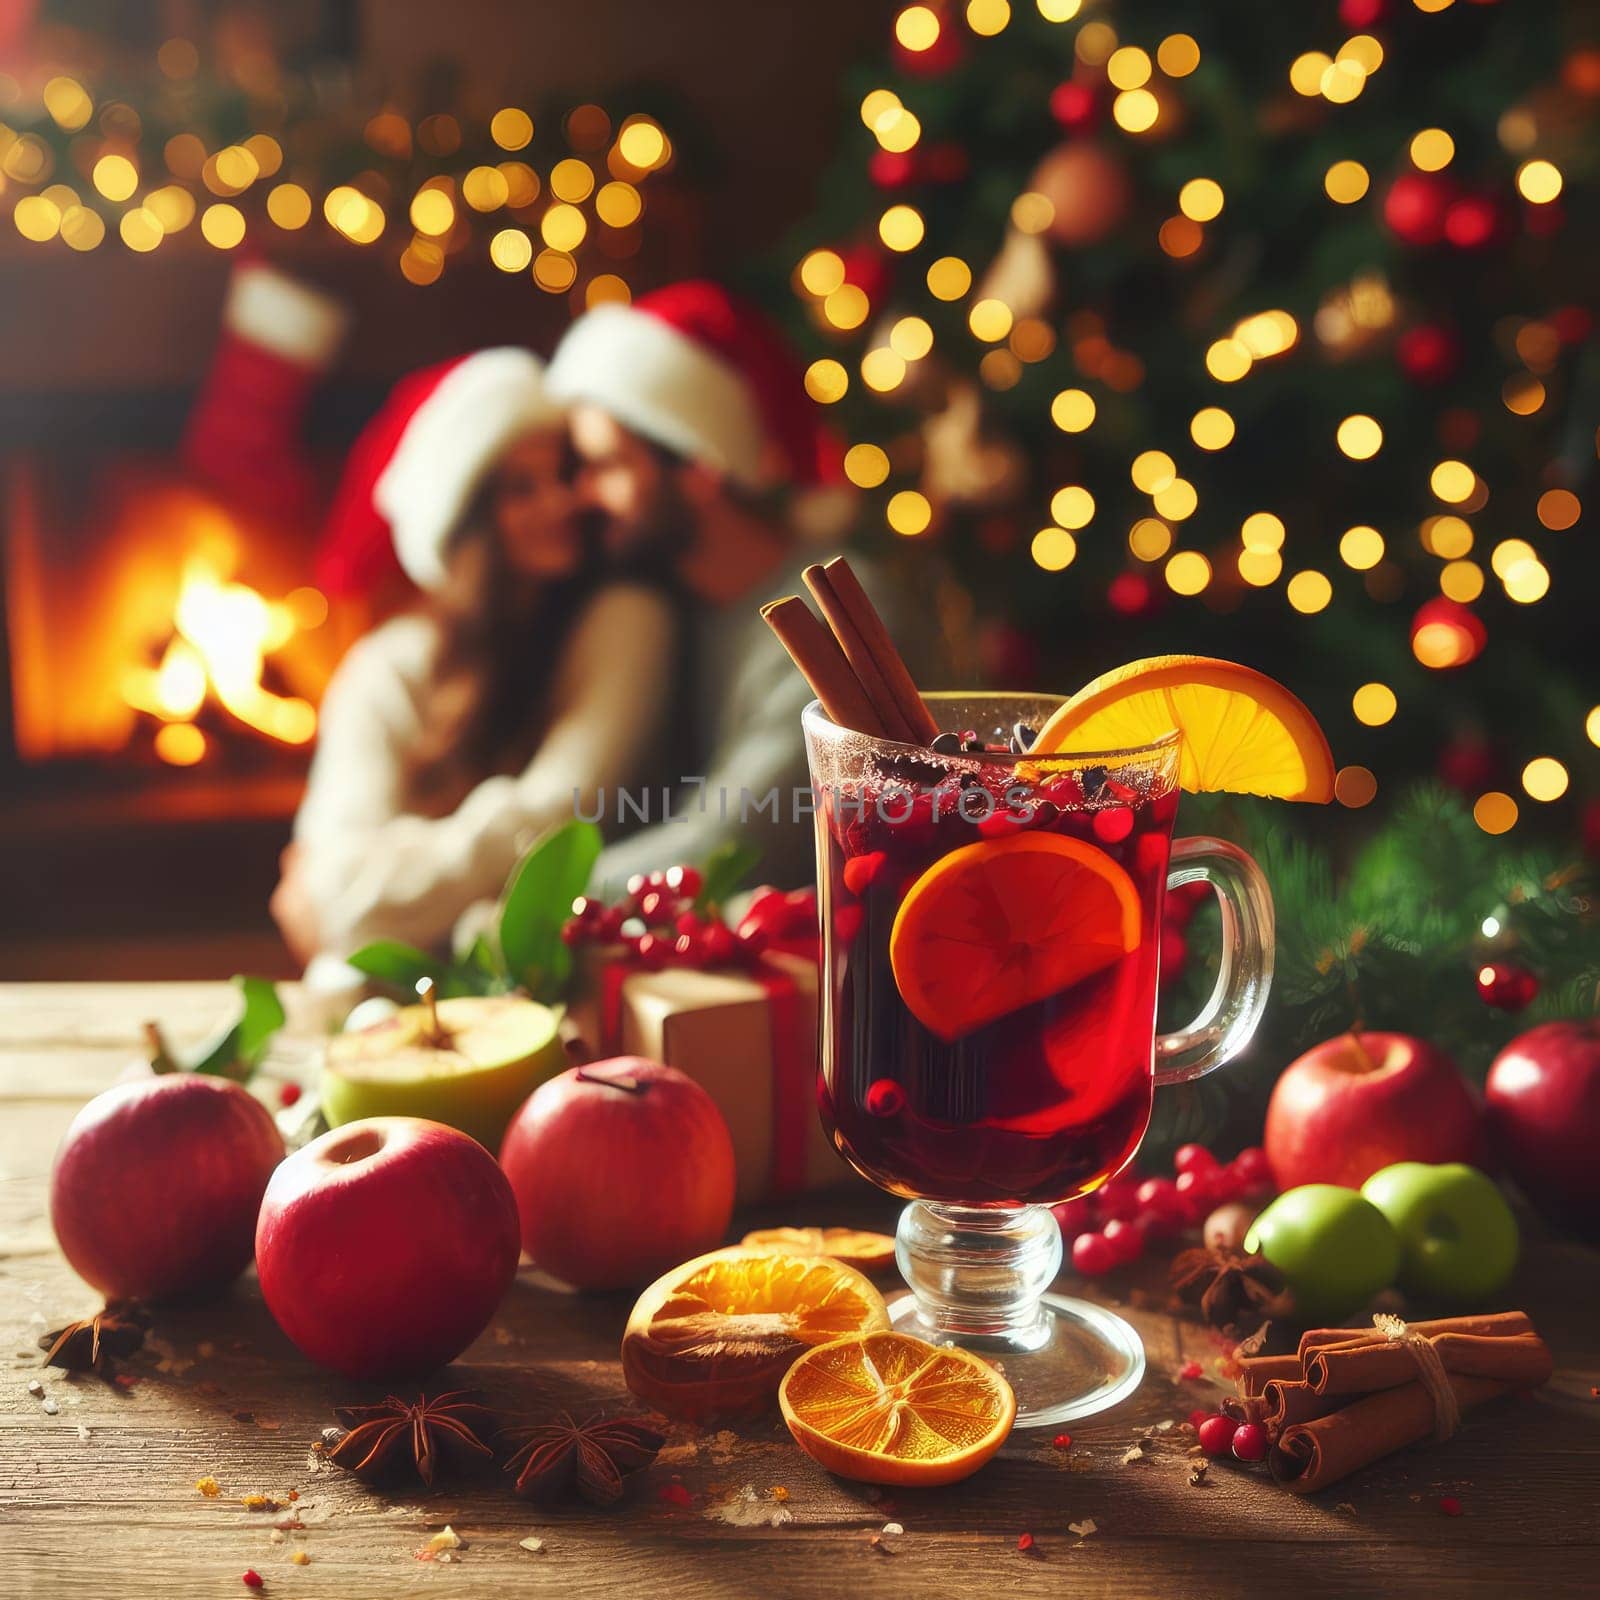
<point>887,1408</point>
<point>997,925</point>
<point>1243,732</point>
<point>716,1335</point>
<point>866,1252</point>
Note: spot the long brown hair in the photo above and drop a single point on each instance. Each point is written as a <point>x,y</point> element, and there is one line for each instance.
<point>500,636</point>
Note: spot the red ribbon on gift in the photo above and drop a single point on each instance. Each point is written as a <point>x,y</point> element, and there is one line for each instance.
<point>793,1095</point>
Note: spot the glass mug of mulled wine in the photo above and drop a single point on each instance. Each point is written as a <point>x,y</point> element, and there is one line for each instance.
<point>991,942</point>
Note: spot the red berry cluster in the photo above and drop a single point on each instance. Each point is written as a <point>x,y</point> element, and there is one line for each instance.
<point>656,921</point>
<point>1222,1436</point>
<point>1110,1227</point>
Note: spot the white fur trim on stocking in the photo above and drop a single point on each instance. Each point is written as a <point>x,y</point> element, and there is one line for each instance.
<point>662,384</point>
<point>452,440</point>
<point>275,312</point>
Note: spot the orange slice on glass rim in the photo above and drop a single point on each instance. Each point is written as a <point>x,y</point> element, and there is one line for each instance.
<point>1000,924</point>
<point>715,1335</point>
<point>866,1252</point>
<point>887,1408</point>
<point>1243,732</point>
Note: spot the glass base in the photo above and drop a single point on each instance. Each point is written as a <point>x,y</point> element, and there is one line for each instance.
<point>978,1279</point>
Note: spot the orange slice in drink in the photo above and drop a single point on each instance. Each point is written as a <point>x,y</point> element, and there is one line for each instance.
<point>887,1408</point>
<point>716,1335</point>
<point>997,925</point>
<point>866,1252</point>
<point>1243,732</point>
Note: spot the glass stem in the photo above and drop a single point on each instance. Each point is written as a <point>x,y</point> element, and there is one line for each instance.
<point>979,1273</point>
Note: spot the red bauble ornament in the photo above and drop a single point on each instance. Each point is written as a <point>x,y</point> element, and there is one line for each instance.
<point>1129,594</point>
<point>1428,353</point>
<point>891,169</point>
<point>1361,13</point>
<point>1089,190</point>
<point>1414,208</point>
<point>1073,105</point>
<point>1445,634</point>
<point>868,269</point>
<point>1472,222</point>
<point>1506,986</point>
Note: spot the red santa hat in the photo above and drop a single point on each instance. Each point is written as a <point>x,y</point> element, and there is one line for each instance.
<point>413,472</point>
<point>696,369</point>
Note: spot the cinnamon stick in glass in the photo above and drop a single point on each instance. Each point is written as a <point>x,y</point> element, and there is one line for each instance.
<point>868,670</point>
<point>855,603</point>
<point>823,665</point>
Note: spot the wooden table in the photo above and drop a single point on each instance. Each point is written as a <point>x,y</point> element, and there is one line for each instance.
<point>99,1499</point>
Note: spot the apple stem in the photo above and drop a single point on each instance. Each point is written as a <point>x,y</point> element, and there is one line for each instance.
<point>161,1057</point>
<point>1362,1051</point>
<point>427,992</point>
<point>628,1085</point>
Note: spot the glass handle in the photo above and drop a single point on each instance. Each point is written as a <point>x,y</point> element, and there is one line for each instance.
<point>1228,1019</point>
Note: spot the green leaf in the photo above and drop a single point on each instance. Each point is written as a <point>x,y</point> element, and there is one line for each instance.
<point>538,899</point>
<point>395,963</point>
<point>724,870</point>
<point>237,1050</point>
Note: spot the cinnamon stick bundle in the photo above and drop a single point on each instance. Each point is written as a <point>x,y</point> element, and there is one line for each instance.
<point>1350,1396</point>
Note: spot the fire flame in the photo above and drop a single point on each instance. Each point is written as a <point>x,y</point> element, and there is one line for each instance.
<point>224,633</point>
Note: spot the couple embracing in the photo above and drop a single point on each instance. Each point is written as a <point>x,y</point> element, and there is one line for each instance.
<point>591,540</point>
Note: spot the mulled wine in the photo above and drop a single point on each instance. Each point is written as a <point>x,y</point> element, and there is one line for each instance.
<point>993,932</point>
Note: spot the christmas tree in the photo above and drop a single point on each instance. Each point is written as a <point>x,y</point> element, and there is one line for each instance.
<point>1262,331</point>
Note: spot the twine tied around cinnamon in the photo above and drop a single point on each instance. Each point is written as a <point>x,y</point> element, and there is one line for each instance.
<point>1430,1368</point>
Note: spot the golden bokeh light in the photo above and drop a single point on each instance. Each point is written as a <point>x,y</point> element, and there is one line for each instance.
<point>949,278</point>
<point>1072,506</point>
<point>1374,704</point>
<point>1305,72</point>
<point>1032,212</point>
<point>172,206</point>
<point>511,250</point>
<point>1591,725</point>
<point>1527,582</point>
<point>485,188</point>
<point>1544,778</point>
<point>141,230</point>
<point>866,465</point>
<point>1355,787</point>
<point>909,513</point>
<point>1364,50</point>
<point>1178,55</point>
<point>1228,360</point>
<point>433,212</point>
<point>1259,567</point>
<point>642,144</point>
<point>36,218</point>
<point>355,216</point>
<point>1053,549</point>
<point>68,103</point>
<point>897,130</point>
<point>562,227</point>
<point>1309,591</point>
<point>1559,508</point>
<point>827,381</point>
<point>222,225</point>
<point>554,271</point>
<point>917,28</point>
<point>1446,536</point>
<point>81,228</point>
<point>1032,339</point>
<point>821,272</point>
<point>1177,501</point>
<point>1201,199</point>
<point>988,17</point>
<point>180,744</point>
<point>901,228</point>
<point>1539,182</point>
<point>882,369</point>
<point>1345,182</point>
<point>289,206</point>
<point>1188,572</point>
<point>876,104</point>
<point>1342,82</point>
<point>911,338</point>
<point>1149,539</point>
<point>1453,481</point>
<point>1180,237</point>
<point>1152,471</point>
<point>1522,394</point>
<point>1261,530</point>
<point>1361,547</point>
<point>1136,110</point>
<point>422,262</point>
<point>606,288</point>
<point>1360,437</point>
<point>511,128</point>
<point>618,204</point>
<point>1432,150</point>
<point>1461,580</point>
<point>999,369</point>
<point>1267,333</point>
<point>847,307</point>
<point>1072,410</point>
<point>1496,811</point>
<point>572,180</point>
<point>1211,428</point>
<point>1128,67</point>
<point>115,177</point>
<point>267,153</point>
<point>990,320</point>
<point>1508,553</point>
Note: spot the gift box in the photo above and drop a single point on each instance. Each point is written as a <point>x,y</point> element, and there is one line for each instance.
<point>748,1036</point>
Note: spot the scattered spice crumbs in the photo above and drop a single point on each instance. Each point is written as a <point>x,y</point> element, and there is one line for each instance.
<point>208,1486</point>
<point>1024,1541</point>
<point>251,1579</point>
<point>676,1495</point>
<point>1197,1474</point>
<point>779,1493</point>
<point>532,1542</point>
<point>259,1502</point>
<point>1083,1529</point>
<point>300,1559</point>
<point>1190,1370</point>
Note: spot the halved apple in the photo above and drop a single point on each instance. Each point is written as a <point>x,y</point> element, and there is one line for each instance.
<point>470,1065</point>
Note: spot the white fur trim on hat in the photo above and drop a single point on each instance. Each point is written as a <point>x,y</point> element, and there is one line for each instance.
<point>662,384</point>
<point>275,312</point>
<point>453,438</point>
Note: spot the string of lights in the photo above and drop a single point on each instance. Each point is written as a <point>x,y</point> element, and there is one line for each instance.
<point>156,170</point>
<point>1166,184</point>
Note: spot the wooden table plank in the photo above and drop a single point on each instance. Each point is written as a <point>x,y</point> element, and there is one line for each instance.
<point>100,1498</point>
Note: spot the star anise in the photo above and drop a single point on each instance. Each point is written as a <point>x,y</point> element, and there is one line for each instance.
<point>94,1344</point>
<point>592,1458</point>
<point>446,1432</point>
<point>1230,1288</point>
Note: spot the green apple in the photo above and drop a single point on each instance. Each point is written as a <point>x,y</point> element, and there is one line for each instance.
<point>1458,1238</point>
<point>1336,1249</point>
<point>470,1067</point>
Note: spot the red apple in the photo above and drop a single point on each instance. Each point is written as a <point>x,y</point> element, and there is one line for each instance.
<point>385,1246</point>
<point>157,1184</point>
<point>1362,1101</point>
<point>1543,1111</point>
<point>621,1169</point>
